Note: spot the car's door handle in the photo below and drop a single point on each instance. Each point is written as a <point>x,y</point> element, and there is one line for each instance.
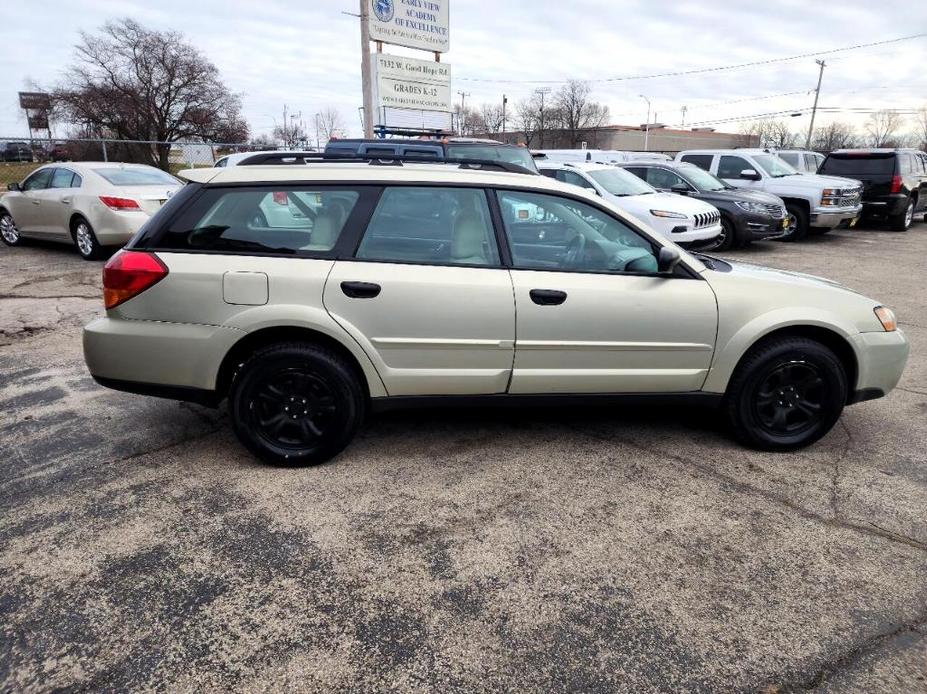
<point>360,290</point>
<point>66,201</point>
<point>547,297</point>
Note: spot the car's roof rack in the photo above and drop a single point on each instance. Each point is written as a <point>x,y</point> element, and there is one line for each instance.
<point>302,158</point>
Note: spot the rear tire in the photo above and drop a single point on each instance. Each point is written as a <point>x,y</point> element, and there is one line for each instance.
<point>903,220</point>
<point>798,222</point>
<point>295,404</point>
<point>85,240</point>
<point>9,233</point>
<point>785,394</point>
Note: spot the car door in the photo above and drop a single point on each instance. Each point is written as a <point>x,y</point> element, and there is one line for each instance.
<point>57,203</point>
<point>425,294</point>
<point>26,207</point>
<point>593,316</point>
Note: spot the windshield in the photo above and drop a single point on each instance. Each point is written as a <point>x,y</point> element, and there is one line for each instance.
<point>137,177</point>
<point>620,182</point>
<point>773,165</point>
<point>702,180</point>
<point>512,155</point>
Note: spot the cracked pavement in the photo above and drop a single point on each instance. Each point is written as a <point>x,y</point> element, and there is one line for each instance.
<point>537,550</point>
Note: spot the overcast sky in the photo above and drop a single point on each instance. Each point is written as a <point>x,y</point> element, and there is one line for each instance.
<point>306,53</point>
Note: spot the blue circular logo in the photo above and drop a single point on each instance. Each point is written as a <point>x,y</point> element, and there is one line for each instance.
<point>383,9</point>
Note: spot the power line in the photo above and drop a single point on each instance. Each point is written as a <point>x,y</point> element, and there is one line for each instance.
<point>720,68</point>
<point>801,112</point>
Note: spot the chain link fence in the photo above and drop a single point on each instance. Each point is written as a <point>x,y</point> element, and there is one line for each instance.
<point>19,157</point>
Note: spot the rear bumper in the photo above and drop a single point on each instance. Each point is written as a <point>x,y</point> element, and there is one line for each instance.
<point>886,204</point>
<point>882,358</point>
<point>156,355</point>
<point>114,228</point>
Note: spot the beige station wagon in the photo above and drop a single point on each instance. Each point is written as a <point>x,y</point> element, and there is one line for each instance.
<point>309,295</point>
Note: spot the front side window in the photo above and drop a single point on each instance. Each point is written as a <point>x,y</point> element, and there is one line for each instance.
<point>772,165</point>
<point>549,232</point>
<point>291,220</point>
<point>730,167</point>
<point>38,181</point>
<point>433,225</point>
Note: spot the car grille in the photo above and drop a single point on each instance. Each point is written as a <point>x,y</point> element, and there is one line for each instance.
<point>707,219</point>
<point>849,197</point>
<point>777,211</point>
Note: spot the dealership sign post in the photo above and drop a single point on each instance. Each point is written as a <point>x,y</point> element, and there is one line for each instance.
<point>399,90</point>
<point>36,105</point>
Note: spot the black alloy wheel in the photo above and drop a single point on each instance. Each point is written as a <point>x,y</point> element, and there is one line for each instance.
<point>295,404</point>
<point>786,393</point>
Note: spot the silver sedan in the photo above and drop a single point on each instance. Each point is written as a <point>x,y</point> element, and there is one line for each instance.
<point>90,204</point>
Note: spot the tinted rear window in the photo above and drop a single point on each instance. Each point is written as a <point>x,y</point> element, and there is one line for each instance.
<point>863,165</point>
<point>702,161</point>
<point>137,177</point>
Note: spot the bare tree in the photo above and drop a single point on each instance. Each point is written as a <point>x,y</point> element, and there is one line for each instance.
<point>921,120</point>
<point>833,136</point>
<point>467,120</point>
<point>293,137</point>
<point>576,112</point>
<point>489,119</point>
<point>527,118</point>
<point>263,143</point>
<point>882,126</point>
<point>134,83</point>
<point>329,123</point>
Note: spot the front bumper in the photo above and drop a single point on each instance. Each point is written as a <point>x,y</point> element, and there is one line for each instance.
<point>760,226</point>
<point>831,217</point>
<point>684,233</point>
<point>882,358</point>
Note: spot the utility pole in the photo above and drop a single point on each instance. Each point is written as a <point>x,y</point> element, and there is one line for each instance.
<point>286,142</point>
<point>460,115</point>
<point>647,124</point>
<point>542,93</point>
<point>366,80</point>
<point>817,93</point>
<point>684,109</point>
<point>505,100</point>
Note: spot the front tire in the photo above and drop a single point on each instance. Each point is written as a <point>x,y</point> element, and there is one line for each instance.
<point>9,233</point>
<point>798,222</point>
<point>727,239</point>
<point>786,394</point>
<point>295,404</point>
<point>86,240</point>
<point>903,220</point>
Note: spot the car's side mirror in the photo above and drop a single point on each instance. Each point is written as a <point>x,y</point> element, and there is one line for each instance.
<point>13,186</point>
<point>667,260</point>
<point>680,188</point>
<point>593,189</point>
<point>750,175</point>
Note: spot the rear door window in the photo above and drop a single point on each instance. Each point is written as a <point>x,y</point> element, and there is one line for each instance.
<point>285,220</point>
<point>62,178</point>
<point>432,225</point>
<point>702,161</point>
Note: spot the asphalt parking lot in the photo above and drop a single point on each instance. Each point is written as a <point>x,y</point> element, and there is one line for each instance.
<point>580,550</point>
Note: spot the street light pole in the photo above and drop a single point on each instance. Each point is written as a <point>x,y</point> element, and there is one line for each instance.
<point>647,124</point>
<point>817,93</point>
<point>542,92</point>
<point>366,79</point>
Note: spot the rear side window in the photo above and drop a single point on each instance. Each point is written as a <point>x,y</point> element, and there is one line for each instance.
<point>437,226</point>
<point>289,220</point>
<point>792,158</point>
<point>702,161</point>
<point>864,165</point>
<point>62,178</point>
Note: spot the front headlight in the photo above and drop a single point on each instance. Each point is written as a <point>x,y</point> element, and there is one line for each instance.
<point>755,207</point>
<point>886,317</point>
<point>668,214</point>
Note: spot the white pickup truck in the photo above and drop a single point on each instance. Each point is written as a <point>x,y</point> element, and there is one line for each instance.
<point>812,201</point>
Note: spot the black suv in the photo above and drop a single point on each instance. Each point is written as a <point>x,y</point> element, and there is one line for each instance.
<point>15,151</point>
<point>447,149</point>
<point>746,215</point>
<point>894,181</point>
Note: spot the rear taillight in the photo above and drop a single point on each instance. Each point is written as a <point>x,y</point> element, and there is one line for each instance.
<point>119,203</point>
<point>280,197</point>
<point>128,274</point>
<point>896,184</point>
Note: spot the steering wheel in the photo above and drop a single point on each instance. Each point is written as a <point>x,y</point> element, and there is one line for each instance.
<point>575,251</point>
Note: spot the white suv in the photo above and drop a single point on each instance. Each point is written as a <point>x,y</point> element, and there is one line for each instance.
<point>812,201</point>
<point>677,217</point>
<point>426,284</point>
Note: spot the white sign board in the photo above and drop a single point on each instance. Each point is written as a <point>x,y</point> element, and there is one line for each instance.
<point>409,83</point>
<point>421,24</point>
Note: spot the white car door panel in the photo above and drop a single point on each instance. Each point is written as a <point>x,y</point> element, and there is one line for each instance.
<point>428,330</point>
<point>612,334</point>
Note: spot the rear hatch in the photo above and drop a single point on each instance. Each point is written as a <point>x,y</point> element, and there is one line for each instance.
<point>873,169</point>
